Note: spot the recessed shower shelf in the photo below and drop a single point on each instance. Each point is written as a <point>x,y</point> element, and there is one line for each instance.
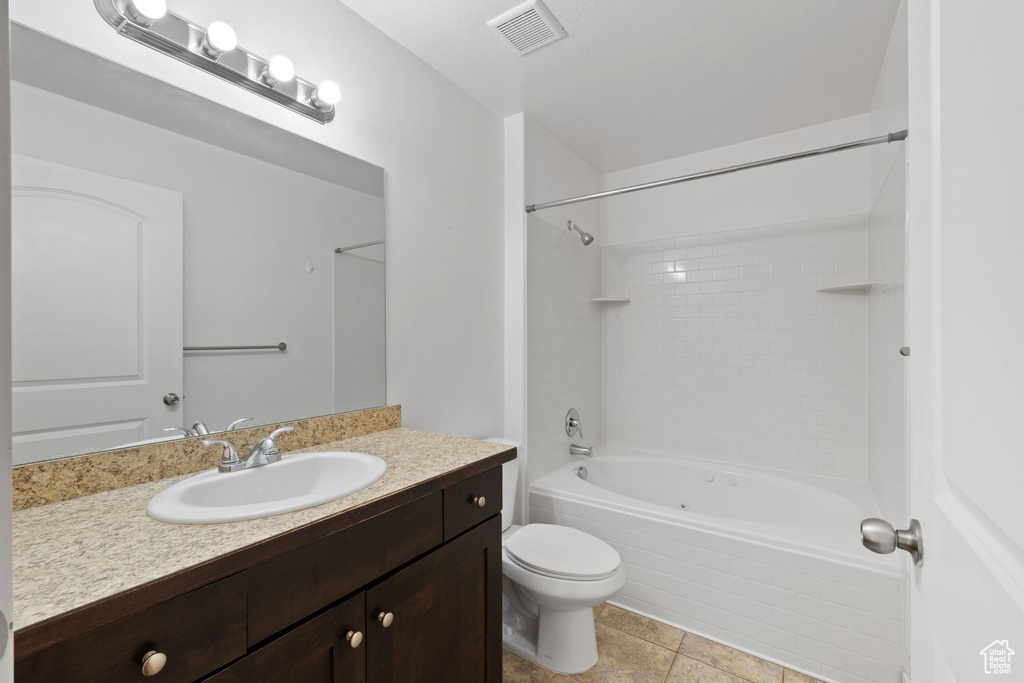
<point>863,287</point>
<point>609,300</point>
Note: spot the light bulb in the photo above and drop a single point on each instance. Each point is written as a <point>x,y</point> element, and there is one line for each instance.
<point>145,12</point>
<point>326,95</point>
<point>219,38</point>
<point>279,70</point>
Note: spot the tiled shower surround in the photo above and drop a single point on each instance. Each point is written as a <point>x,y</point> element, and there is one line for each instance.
<point>727,350</point>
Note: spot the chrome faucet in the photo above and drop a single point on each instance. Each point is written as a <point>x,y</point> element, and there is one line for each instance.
<point>264,453</point>
<point>200,429</point>
<point>581,450</point>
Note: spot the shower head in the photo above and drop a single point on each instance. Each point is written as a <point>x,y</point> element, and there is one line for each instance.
<point>585,237</point>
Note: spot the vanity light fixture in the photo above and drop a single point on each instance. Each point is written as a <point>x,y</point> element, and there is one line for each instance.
<point>145,12</point>
<point>215,49</point>
<point>219,38</point>
<point>326,95</point>
<point>277,71</point>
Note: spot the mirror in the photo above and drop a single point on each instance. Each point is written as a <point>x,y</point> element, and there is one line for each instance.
<point>152,232</point>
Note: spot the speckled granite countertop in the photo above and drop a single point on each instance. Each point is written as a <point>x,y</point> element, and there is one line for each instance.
<point>75,552</point>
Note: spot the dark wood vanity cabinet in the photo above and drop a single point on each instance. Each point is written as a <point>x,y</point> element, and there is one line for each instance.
<point>412,594</point>
<point>445,615</point>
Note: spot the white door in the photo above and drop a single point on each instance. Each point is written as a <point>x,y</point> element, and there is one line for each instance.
<point>966,320</point>
<point>96,309</point>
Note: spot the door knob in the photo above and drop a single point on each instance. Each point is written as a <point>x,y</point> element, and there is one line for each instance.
<point>879,536</point>
<point>171,399</point>
<point>385,618</point>
<point>354,638</point>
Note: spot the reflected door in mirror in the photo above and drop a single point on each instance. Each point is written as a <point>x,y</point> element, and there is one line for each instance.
<point>97,309</point>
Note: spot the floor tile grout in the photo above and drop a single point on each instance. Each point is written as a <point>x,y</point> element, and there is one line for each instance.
<point>676,654</point>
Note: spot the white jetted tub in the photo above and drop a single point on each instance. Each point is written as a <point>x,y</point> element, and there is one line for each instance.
<point>769,563</point>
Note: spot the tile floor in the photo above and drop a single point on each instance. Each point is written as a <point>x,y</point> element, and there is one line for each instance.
<point>635,649</point>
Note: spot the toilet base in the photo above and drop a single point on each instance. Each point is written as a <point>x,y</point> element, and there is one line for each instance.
<point>561,641</point>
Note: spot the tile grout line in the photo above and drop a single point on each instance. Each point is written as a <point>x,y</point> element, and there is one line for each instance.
<point>676,653</point>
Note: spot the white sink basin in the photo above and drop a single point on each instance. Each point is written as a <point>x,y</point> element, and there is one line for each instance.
<point>295,482</point>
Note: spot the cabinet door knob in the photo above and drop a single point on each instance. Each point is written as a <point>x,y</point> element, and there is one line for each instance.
<point>480,501</point>
<point>153,663</point>
<point>385,618</point>
<point>354,638</point>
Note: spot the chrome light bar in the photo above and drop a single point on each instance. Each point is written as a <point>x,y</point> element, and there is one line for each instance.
<point>187,42</point>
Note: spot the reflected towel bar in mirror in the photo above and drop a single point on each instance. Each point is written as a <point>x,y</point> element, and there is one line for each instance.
<point>342,250</point>
<point>280,347</point>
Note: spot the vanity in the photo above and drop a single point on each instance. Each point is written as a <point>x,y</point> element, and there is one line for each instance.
<point>398,582</point>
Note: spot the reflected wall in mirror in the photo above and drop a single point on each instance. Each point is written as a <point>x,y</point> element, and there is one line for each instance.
<point>147,221</point>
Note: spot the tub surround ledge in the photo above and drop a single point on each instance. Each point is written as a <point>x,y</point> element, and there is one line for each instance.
<point>98,558</point>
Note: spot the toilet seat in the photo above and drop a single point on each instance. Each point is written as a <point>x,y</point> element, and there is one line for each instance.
<point>561,552</point>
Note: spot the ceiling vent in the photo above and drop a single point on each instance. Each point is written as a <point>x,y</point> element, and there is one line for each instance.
<point>528,27</point>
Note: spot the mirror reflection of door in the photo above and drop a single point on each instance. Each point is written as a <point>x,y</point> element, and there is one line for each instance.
<point>97,309</point>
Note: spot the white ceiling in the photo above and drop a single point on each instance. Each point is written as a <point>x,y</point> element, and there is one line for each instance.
<point>639,81</point>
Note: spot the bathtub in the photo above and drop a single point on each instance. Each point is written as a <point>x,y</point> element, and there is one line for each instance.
<point>768,563</point>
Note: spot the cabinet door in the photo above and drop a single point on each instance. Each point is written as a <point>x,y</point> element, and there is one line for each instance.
<point>319,651</point>
<point>445,615</point>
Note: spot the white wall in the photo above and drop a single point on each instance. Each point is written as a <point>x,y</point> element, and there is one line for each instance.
<point>887,370</point>
<point>563,326</point>
<point>441,149</point>
<point>245,277</point>
<point>359,331</point>
<point>888,112</point>
<point>821,187</point>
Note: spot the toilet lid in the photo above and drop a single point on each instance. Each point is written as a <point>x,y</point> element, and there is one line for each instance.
<point>562,552</point>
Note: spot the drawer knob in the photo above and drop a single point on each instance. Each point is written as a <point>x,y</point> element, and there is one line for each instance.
<point>480,501</point>
<point>385,618</point>
<point>153,663</point>
<point>354,638</point>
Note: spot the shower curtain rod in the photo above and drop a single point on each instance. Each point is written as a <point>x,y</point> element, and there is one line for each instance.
<point>891,137</point>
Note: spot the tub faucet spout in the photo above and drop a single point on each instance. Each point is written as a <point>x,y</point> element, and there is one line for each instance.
<point>581,450</point>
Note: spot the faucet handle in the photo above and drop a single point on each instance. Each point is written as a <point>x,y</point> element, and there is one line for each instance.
<point>572,423</point>
<point>269,444</point>
<point>229,458</point>
<point>233,425</point>
<point>280,430</point>
<point>184,432</point>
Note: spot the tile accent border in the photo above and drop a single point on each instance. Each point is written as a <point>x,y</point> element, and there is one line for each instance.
<point>56,480</point>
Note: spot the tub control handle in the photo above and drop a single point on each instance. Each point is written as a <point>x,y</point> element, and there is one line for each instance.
<point>879,536</point>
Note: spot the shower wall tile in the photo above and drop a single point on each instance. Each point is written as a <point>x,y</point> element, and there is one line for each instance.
<point>728,351</point>
<point>563,343</point>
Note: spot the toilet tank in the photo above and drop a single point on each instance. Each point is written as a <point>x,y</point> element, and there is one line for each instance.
<point>509,480</point>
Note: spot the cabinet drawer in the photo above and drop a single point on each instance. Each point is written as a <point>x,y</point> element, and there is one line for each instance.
<point>462,508</point>
<point>292,586</point>
<point>318,650</point>
<point>198,632</point>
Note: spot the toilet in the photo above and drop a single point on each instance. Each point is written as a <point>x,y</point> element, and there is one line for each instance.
<point>552,578</point>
